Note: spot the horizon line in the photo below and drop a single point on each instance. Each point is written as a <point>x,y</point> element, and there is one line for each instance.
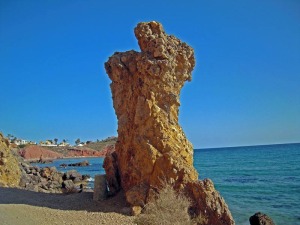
<point>241,146</point>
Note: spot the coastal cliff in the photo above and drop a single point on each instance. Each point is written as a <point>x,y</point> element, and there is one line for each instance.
<point>10,172</point>
<point>34,152</point>
<point>88,152</point>
<point>152,148</point>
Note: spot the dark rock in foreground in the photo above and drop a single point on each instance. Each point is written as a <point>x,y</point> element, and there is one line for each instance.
<point>260,219</point>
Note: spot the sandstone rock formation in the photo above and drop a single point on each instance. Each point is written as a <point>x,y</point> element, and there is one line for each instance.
<point>34,152</point>
<point>10,172</point>
<point>152,147</point>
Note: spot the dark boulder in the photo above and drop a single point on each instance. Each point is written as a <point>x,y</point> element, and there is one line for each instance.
<point>32,187</point>
<point>72,175</point>
<point>85,177</point>
<point>260,219</point>
<point>83,163</point>
<point>69,187</point>
<point>45,172</point>
<point>68,184</point>
<point>37,168</point>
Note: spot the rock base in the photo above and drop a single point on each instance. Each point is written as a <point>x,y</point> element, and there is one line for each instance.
<point>100,188</point>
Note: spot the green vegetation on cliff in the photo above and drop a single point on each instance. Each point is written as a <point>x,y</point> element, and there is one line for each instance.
<point>99,145</point>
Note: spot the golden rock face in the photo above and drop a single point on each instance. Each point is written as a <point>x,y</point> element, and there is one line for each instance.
<point>152,148</point>
<point>10,172</point>
<point>146,87</point>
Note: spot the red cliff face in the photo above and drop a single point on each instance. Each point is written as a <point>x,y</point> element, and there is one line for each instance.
<point>34,152</point>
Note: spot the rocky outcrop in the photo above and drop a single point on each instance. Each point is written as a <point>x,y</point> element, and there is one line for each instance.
<point>260,219</point>
<point>34,152</point>
<point>79,164</point>
<point>10,172</point>
<point>152,148</point>
<point>49,180</point>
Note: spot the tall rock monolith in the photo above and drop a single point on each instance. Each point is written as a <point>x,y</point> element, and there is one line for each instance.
<point>152,148</point>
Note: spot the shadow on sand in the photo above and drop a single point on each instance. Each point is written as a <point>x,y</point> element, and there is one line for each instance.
<point>78,201</point>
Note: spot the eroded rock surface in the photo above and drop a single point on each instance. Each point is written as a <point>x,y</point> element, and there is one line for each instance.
<point>152,148</point>
<point>10,172</point>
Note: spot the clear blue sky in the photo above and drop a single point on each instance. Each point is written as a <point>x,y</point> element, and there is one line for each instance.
<point>245,88</point>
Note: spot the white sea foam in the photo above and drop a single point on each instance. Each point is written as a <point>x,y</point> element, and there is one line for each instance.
<point>91,179</point>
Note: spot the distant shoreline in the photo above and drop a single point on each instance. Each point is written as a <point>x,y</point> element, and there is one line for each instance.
<point>52,159</point>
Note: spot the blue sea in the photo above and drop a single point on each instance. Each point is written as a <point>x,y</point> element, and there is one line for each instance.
<point>251,179</point>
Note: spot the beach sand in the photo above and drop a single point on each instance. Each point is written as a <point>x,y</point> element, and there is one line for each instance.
<point>19,207</point>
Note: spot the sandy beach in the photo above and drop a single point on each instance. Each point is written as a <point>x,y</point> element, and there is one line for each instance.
<point>19,207</point>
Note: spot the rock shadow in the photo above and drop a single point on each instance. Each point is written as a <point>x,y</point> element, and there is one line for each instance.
<point>77,201</point>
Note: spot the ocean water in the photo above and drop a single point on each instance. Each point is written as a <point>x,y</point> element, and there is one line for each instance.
<point>251,179</point>
<point>256,178</point>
